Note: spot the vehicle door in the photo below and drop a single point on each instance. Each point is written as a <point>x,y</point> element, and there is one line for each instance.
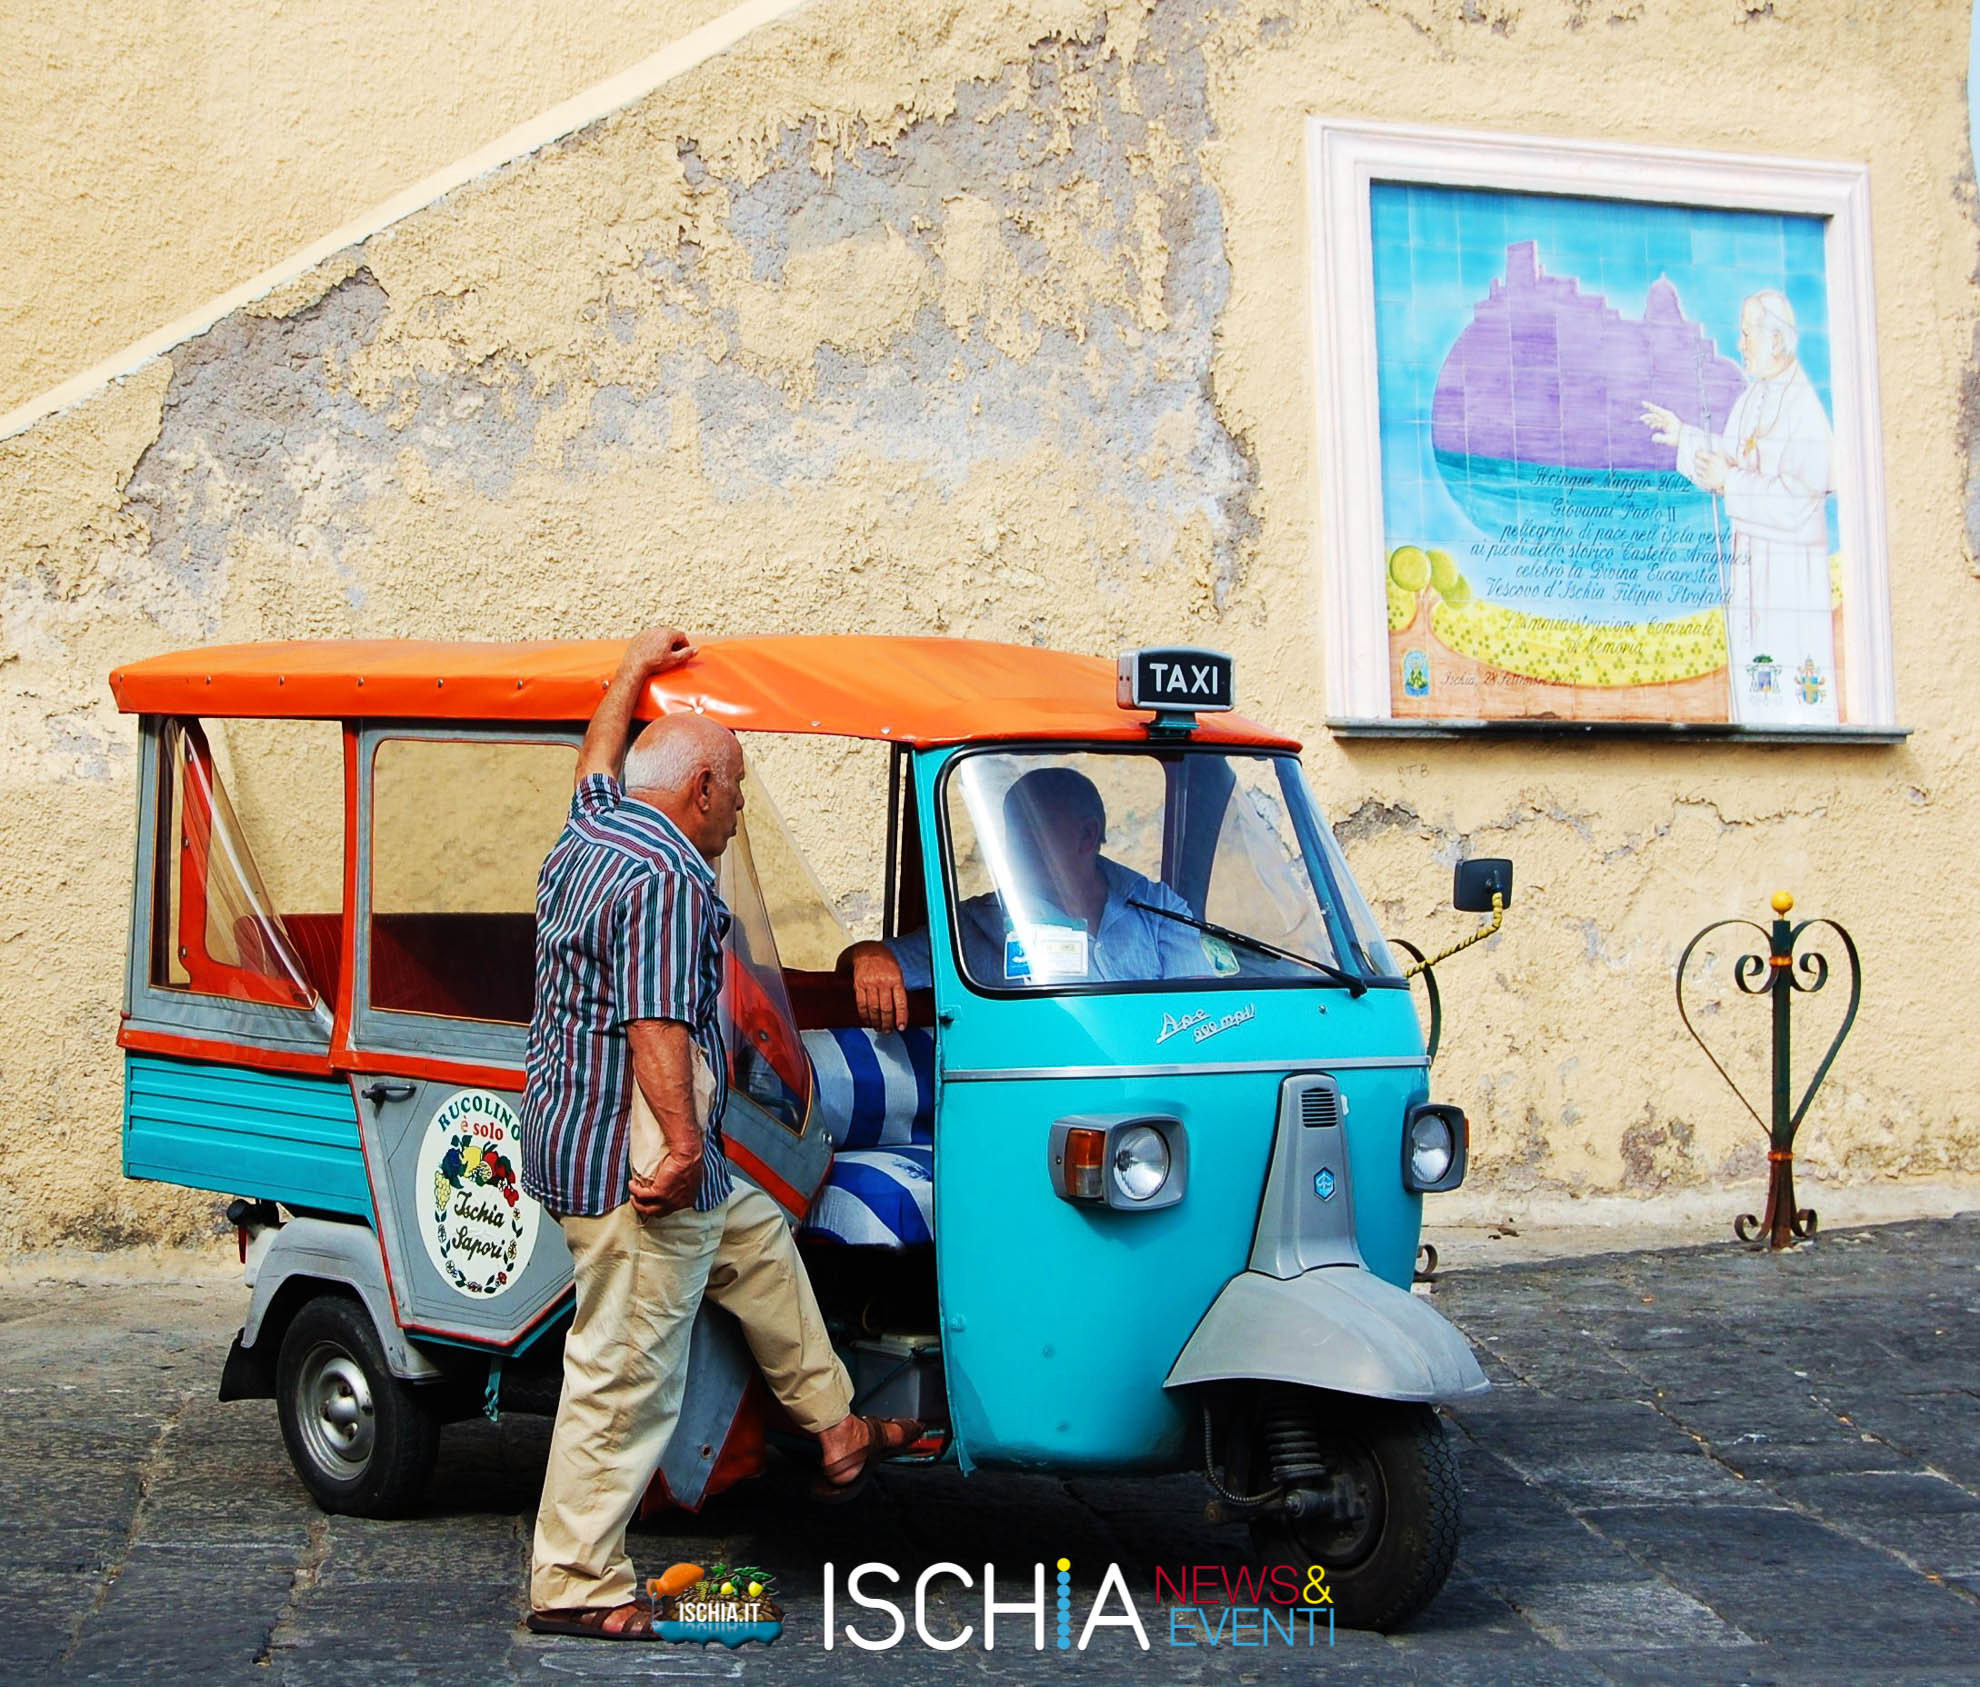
<point>449,827</point>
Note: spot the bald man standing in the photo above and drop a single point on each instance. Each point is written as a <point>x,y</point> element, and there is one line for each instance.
<point>628,971</point>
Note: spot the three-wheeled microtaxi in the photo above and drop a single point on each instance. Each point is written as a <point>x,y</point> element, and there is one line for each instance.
<point>1126,1193</point>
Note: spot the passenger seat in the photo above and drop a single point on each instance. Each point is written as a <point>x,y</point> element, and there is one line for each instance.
<point>876,1096</point>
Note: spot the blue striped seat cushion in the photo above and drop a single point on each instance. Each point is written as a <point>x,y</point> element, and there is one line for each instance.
<point>877,1197</point>
<point>875,1089</point>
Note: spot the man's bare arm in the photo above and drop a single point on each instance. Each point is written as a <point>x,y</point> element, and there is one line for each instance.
<point>663,1066</point>
<point>652,652</point>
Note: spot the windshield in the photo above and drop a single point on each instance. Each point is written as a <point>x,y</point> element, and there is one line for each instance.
<point>1135,867</point>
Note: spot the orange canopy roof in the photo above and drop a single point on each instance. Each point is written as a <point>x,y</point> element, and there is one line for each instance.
<point>908,690</point>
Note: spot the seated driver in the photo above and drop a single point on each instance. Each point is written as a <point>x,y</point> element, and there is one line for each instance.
<point>1080,922</point>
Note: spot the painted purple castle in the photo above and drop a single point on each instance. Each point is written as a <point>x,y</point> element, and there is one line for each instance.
<point>1548,374</point>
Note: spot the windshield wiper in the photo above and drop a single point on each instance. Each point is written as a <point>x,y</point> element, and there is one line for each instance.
<point>1356,986</point>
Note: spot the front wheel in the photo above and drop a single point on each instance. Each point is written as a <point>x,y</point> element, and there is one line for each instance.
<point>360,1439</point>
<point>1368,1489</point>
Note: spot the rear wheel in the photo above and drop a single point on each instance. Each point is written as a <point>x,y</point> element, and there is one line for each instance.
<point>1368,1489</point>
<point>361,1440</point>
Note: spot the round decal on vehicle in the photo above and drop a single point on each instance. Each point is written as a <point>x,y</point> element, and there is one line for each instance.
<point>478,1224</point>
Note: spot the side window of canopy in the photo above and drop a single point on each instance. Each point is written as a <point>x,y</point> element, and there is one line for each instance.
<point>459,828</point>
<point>247,893</point>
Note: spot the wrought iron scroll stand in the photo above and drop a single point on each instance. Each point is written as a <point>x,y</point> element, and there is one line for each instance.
<point>1779,974</point>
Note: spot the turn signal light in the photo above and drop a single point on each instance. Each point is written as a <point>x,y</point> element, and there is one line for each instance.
<point>1086,1154</point>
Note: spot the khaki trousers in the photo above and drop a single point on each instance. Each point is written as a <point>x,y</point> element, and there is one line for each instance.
<point>639,1284</point>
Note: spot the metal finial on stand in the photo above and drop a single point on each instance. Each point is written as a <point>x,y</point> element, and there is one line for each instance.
<point>1779,974</point>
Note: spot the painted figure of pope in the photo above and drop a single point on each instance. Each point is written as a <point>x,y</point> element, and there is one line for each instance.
<point>1771,465</point>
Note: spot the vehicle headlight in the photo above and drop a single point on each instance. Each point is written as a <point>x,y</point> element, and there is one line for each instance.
<point>1431,1148</point>
<point>1141,1162</point>
<point>1128,1162</point>
<point>1434,1143</point>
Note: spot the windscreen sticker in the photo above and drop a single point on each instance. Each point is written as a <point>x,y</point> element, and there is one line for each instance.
<point>1041,953</point>
<point>1221,956</point>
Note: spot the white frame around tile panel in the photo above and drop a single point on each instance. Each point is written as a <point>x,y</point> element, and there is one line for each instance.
<point>1345,158</point>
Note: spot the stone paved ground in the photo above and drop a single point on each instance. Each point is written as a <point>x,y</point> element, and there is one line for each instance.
<point>1699,1465</point>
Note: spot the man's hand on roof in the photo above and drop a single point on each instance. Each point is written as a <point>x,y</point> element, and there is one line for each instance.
<point>651,652</point>
<point>655,651</point>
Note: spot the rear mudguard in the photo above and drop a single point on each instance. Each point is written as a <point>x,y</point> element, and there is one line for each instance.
<point>1338,1327</point>
<point>338,1256</point>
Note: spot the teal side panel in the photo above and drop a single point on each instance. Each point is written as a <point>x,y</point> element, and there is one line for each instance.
<point>1061,1321</point>
<point>268,1135</point>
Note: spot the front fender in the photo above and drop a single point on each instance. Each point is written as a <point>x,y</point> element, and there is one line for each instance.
<point>1339,1327</point>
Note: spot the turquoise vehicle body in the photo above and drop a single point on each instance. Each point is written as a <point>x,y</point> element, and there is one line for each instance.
<point>267,1136</point>
<point>1060,1322</point>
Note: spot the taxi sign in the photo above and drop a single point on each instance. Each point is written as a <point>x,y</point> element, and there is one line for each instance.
<point>1176,677</point>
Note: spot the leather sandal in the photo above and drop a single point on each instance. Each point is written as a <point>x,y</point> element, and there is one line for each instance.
<point>630,1621</point>
<point>886,1438</point>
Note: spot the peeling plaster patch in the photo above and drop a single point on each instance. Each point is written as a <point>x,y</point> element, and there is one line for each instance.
<point>263,441</point>
<point>1656,1152</point>
<point>1039,271</point>
<point>1371,817</point>
<point>77,750</point>
<point>299,294</point>
<point>983,286</point>
<point>1969,426</point>
<point>789,209</point>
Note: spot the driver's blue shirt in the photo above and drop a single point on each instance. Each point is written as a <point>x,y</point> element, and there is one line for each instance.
<point>1131,945</point>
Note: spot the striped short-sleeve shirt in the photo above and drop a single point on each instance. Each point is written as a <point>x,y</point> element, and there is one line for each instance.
<point>628,926</point>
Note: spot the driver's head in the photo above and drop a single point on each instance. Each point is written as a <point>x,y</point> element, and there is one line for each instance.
<point>1054,825</point>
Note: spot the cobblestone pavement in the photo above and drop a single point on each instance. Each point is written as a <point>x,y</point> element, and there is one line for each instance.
<point>1698,1465</point>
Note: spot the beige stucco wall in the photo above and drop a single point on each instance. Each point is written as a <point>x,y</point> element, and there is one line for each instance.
<point>160,151</point>
<point>991,320</point>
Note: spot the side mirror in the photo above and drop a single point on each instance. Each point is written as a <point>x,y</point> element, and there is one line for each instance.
<point>1474,883</point>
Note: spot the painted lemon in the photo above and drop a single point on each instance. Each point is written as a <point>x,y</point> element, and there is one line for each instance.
<point>728,1590</point>
<point>1442,571</point>
<point>1409,568</point>
<point>756,1590</point>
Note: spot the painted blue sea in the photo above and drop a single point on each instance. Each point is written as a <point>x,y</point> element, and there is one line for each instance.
<point>1584,544</point>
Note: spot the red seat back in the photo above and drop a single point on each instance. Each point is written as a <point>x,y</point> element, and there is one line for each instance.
<point>461,966</point>
<point>824,1001</point>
